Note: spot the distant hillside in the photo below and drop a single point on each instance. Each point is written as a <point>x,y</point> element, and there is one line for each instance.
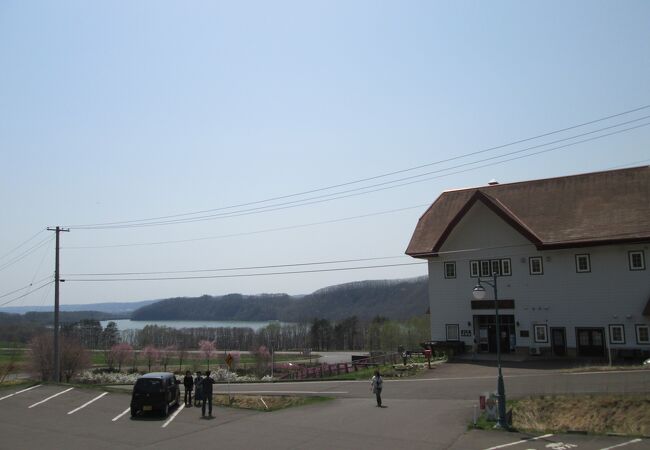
<point>117,308</point>
<point>395,299</point>
<point>47,318</point>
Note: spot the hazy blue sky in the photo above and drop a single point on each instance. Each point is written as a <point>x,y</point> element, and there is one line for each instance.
<point>114,111</point>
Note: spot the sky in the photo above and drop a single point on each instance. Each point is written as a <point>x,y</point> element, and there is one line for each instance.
<point>123,111</point>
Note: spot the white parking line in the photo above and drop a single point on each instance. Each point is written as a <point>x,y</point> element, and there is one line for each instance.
<point>19,392</point>
<point>283,392</point>
<point>521,441</point>
<point>121,414</point>
<point>180,408</point>
<point>51,397</point>
<point>87,403</point>
<point>633,441</point>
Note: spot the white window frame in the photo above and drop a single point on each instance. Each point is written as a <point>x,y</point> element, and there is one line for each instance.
<point>638,336</point>
<point>449,264</point>
<point>489,266</point>
<point>495,266</point>
<point>542,337</point>
<point>587,258</point>
<point>531,260</point>
<point>613,327</point>
<point>630,256</point>
<point>505,262</point>
<point>451,327</point>
<point>474,269</point>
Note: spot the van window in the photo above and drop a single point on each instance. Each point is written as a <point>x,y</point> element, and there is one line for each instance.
<point>149,385</point>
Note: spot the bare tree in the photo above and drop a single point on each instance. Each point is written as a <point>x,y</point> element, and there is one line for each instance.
<point>166,355</point>
<point>74,357</point>
<point>9,366</point>
<point>151,355</point>
<point>42,356</point>
<point>207,349</point>
<point>120,353</point>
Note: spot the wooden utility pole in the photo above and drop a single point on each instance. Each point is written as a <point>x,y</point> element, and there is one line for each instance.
<point>57,353</point>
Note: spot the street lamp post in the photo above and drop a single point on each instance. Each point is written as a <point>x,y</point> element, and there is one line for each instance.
<point>479,294</point>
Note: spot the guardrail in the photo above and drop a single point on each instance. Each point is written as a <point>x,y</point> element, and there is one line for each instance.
<point>327,370</point>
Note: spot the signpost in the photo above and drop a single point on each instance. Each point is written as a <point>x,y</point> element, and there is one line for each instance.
<point>229,360</point>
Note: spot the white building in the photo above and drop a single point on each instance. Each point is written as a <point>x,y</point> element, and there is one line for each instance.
<point>570,255</point>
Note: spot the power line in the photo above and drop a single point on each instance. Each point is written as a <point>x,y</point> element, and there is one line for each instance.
<point>337,269</point>
<point>26,294</point>
<point>274,266</point>
<point>145,222</point>
<point>24,287</point>
<point>248,233</point>
<point>311,263</point>
<point>307,202</point>
<point>26,253</point>
<point>20,245</point>
<point>367,189</point>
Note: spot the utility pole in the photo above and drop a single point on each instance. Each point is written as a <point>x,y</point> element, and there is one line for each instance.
<point>57,354</point>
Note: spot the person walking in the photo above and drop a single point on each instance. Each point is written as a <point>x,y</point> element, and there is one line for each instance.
<point>198,392</point>
<point>207,394</point>
<point>188,382</point>
<point>376,386</point>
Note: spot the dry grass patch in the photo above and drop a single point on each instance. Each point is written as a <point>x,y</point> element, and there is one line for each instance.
<point>607,413</point>
<point>265,403</point>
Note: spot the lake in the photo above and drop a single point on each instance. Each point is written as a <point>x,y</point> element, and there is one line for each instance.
<point>128,324</point>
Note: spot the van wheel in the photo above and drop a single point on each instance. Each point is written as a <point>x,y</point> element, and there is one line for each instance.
<point>134,412</point>
<point>178,398</point>
<point>166,410</point>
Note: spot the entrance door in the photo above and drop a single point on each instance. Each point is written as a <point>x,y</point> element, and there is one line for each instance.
<point>558,341</point>
<point>488,333</point>
<point>591,341</point>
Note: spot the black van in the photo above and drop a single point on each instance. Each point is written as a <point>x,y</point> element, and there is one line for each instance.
<point>155,391</point>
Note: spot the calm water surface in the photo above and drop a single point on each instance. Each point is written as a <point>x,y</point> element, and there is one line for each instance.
<point>128,324</point>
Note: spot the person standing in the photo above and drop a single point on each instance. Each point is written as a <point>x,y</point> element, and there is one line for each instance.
<point>376,386</point>
<point>207,394</point>
<point>188,382</point>
<point>198,393</point>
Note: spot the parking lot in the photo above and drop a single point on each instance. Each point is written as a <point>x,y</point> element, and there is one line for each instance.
<point>49,416</point>
<point>424,413</point>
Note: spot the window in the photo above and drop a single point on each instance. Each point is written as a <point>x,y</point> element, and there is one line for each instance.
<point>496,267</point>
<point>617,334</point>
<point>505,267</point>
<point>486,269</point>
<point>473,269</point>
<point>540,333</point>
<point>637,260</point>
<point>452,331</point>
<point>535,265</point>
<point>643,334</point>
<point>450,270</point>
<point>583,264</point>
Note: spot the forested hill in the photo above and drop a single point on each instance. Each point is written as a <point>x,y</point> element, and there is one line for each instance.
<point>394,299</point>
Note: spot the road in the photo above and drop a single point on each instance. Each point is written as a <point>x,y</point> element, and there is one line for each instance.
<point>428,412</point>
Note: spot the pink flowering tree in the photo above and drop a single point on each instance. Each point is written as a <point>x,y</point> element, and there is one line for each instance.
<point>207,349</point>
<point>166,356</point>
<point>120,353</point>
<point>262,358</point>
<point>151,354</point>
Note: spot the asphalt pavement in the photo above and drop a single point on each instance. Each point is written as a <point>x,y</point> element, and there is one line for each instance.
<point>428,412</point>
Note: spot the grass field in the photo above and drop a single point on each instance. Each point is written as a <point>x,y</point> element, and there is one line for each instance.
<point>598,414</point>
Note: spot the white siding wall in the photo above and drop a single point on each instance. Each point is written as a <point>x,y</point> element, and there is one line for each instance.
<point>609,294</point>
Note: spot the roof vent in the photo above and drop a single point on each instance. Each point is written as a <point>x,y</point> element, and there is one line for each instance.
<point>493,182</point>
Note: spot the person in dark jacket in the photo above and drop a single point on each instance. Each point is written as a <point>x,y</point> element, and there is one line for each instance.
<point>188,382</point>
<point>376,385</point>
<point>207,394</point>
<point>198,393</point>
